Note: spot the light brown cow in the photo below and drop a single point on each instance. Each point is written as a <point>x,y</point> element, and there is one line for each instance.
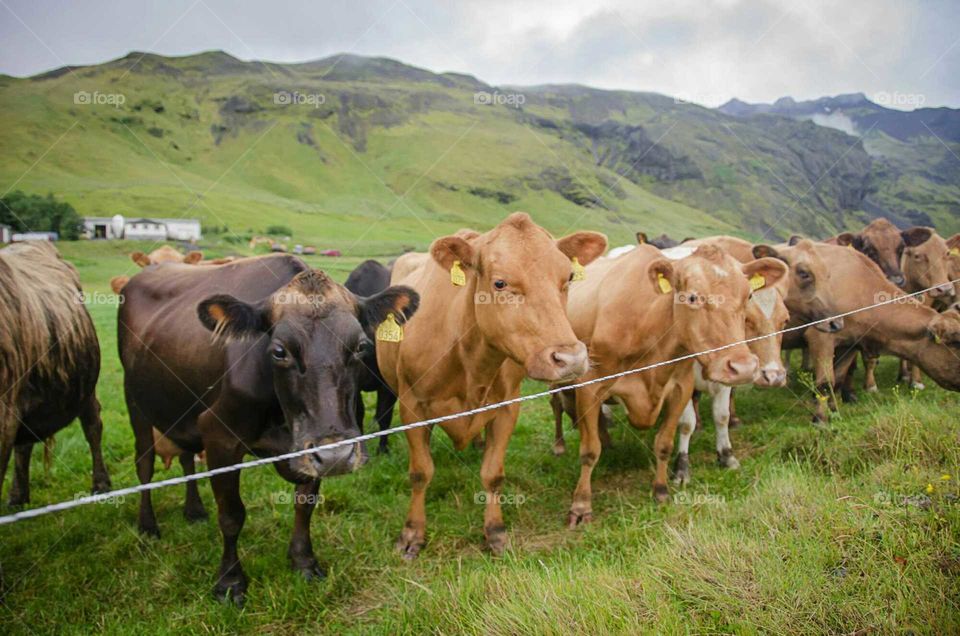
<point>492,309</point>
<point>643,308</point>
<point>907,329</point>
<point>881,242</point>
<point>165,254</point>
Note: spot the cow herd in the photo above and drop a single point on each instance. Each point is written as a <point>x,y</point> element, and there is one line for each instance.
<point>265,355</point>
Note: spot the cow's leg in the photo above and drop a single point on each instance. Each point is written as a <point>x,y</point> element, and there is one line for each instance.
<point>414,533</point>
<point>903,375</point>
<point>603,426</point>
<point>732,409</point>
<point>8,434</point>
<point>681,466</point>
<point>663,442</point>
<point>20,488</point>
<point>145,458</point>
<point>193,509</point>
<point>870,361</point>
<point>695,399</point>
<point>231,581</point>
<point>300,552</point>
<point>821,347</point>
<point>721,419</point>
<point>385,402</point>
<point>805,360</point>
<point>491,475</point>
<point>916,378</point>
<point>588,421</point>
<point>559,446</point>
<point>93,430</point>
<point>845,372</point>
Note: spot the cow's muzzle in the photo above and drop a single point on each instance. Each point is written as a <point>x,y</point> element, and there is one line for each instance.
<point>330,461</point>
<point>735,368</point>
<point>771,375</point>
<point>830,326</point>
<point>942,291</point>
<point>559,364</point>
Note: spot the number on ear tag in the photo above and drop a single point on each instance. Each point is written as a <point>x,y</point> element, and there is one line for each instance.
<point>757,281</point>
<point>579,273</point>
<point>665,287</point>
<point>457,277</point>
<point>389,330</point>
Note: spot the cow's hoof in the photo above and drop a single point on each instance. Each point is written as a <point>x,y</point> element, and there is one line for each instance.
<point>101,486</point>
<point>727,460</point>
<point>17,500</point>
<point>917,386</point>
<point>575,519</point>
<point>151,531</point>
<point>735,422</point>
<point>410,543</point>
<point>383,449</point>
<point>871,389</point>
<point>497,540</point>
<point>681,470</point>
<point>195,515</point>
<point>559,448</point>
<point>660,493</point>
<point>310,571</point>
<point>231,593</point>
<point>849,397</point>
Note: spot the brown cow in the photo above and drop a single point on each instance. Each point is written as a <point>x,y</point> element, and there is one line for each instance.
<point>492,311</point>
<point>642,308</point>
<point>882,243</point>
<point>50,360</point>
<point>165,254</point>
<point>270,366</point>
<point>907,329</point>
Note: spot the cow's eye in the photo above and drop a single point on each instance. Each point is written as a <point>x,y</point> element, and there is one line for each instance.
<point>804,276</point>
<point>500,284</point>
<point>278,352</point>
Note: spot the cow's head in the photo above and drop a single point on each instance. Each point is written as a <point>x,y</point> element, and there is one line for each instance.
<point>882,243</point>
<point>767,314</point>
<point>926,262</point>
<point>517,276</point>
<point>314,343</point>
<point>710,305</point>
<point>809,294</point>
<point>165,254</point>
<point>942,363</point>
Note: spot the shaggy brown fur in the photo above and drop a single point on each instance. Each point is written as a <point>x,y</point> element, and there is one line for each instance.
<point>49,351</point>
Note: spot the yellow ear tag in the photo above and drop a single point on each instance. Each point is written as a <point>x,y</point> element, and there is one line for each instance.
<point>579,273</point>
<point>955,251</point>
<point>757,281</point>
<point>457,277</point>
<point>640,240</point>
<point>936,339</point>
<point>389,330</point>
<point>665,287</point>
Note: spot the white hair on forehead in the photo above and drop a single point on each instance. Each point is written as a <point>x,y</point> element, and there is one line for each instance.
<point>720,272</point>
<point>678,252</point>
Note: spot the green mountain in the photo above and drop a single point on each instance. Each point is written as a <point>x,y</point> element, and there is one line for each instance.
<point>368,155</point>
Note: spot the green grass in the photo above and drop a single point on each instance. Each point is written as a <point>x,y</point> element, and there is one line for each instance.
<point>810,536</point>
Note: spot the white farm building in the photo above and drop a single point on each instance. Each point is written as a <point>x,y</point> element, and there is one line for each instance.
<point>142,229</point>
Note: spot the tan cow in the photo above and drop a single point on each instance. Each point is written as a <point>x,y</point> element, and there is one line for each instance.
<point>492,310</point>
<point>881,242</point>
<point>165,254</point>
<point>908,329</point>
<point>643,308</point>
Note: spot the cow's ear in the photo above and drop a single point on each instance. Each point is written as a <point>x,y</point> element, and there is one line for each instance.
<point>916,236</point>
<point>140,258</point>
<point>662,276</point>
<point>953,243</point>
<point>192,258</point>
<point>767,251</point>
<point>231,318</point>
<point>117,283</point>
<point>849,238</point>
<point>399,300</point>
<point>771,269</point>
<point>584,246</point>
<point>642,238</point>
<point>447,249</point>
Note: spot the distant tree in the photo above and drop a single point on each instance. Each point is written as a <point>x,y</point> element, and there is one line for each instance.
<point>34,213</point>
<point>279,230</point>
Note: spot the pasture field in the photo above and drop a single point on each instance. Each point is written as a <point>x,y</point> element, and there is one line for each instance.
<point>851,528</point>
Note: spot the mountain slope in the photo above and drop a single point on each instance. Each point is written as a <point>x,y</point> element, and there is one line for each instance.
<point>368,155</point>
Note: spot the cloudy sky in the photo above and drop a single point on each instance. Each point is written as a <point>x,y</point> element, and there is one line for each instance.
<point>702,50</point>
